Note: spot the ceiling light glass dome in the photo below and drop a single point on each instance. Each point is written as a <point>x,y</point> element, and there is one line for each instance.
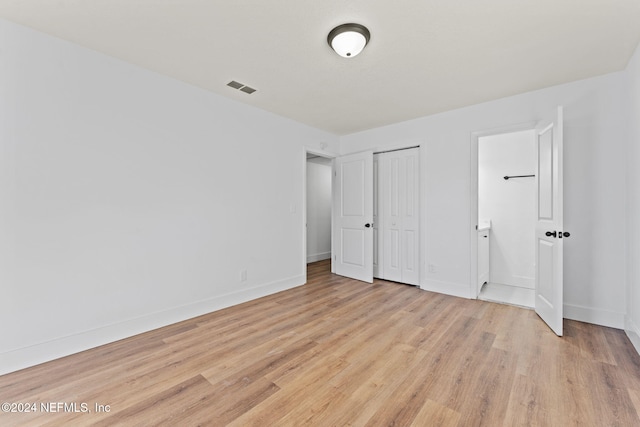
<point>348,40</point>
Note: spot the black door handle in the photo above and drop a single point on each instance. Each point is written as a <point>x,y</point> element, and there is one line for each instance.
<point>367,225</point>
<point>566,234</point>
<point>550,234</point>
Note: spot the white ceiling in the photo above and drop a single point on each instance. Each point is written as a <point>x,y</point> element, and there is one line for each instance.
<point>424,57</point>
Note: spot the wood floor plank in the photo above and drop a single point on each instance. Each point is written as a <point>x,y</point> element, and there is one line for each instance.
<point>436,415</point>
<point>529,404</point>
<point>310,375</point>
<point>590,340</point>
<point>379,388</point>
<point>634,395</point>
<point>338,352</point>
<point>490,387</point>
<point>625,356</point>
<point>161,406</point>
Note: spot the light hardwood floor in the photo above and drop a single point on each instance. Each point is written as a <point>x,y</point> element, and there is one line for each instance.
<point>337,352</point>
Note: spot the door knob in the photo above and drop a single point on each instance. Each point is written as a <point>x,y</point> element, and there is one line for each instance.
<point>550,234</point>
<point>367,225</point>
<point>566,234</point>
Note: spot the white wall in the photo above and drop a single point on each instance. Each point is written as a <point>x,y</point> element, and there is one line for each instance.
<point>129,200</point>
<point>594,184</point>
<point>509,204</point>
<point>318,209</point>
<point>632,90</point>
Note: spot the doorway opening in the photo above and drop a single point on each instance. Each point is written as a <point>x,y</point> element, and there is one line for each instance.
<point>318,208</point>
<point>549,219</point>
<point>506,218</point>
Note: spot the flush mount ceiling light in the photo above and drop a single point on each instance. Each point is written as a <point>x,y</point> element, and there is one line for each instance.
<point>348,40</point>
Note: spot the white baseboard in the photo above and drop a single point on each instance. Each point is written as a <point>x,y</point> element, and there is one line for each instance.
<point>318,257</point>
<point>447,288</point>
<point>633,332</point>
<point>511,280</point>
<point>43,352</point>
<point>606,318</point>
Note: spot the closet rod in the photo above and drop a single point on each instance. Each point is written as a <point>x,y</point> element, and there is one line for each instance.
<point>397,149</point>
<point>517,176</point>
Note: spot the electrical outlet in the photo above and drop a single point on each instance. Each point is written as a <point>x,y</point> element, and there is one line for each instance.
<point>243,275</point>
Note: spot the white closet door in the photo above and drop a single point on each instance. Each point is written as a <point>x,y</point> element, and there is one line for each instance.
<point>378,267</point>
<point>398,182</point>
<point>410,219</point>
<point>392,219</point>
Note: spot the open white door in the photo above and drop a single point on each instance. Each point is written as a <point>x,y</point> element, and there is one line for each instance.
<point>353,202</point>
<point>549,225</point>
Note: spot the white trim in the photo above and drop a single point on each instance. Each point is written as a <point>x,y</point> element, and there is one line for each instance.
<point>633,332</point>
<point>305,150</point>
<point>595,316</point>
<point>318,152</point>
<point>447,288</point>
<point>318,257</point>
<point>513,280</point>
<point>423,212</point>
<point>46,351</point>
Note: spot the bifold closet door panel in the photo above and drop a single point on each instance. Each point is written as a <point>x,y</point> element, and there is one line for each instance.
<point>399,182</point>
<point>409,196</point>
<point>378,267</point>
<point>392,220</point>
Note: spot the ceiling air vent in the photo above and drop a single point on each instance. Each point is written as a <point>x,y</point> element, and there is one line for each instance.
<point>236,85</point>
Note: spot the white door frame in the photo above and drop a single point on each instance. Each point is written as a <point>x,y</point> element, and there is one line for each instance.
<point>326,155</point>
<point>473,219</point>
